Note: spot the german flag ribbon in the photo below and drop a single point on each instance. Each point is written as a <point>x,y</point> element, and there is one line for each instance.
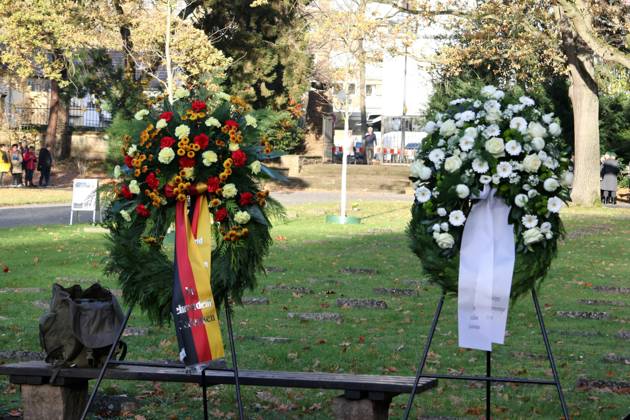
<point>194,311</point>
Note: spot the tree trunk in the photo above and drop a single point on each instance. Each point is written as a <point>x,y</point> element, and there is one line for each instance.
<point>65,135</point>
<point>583,93</point>
<point>362,107</point>
<point>53,115</point>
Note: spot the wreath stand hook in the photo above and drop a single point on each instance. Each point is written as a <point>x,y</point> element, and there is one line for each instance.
<point>488,379</point>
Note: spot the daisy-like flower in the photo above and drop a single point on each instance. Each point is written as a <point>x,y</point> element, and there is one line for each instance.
<point>423,194</point>
<point>504,169</point>
<point>467,116</point>
<point>529,221</point>
<point>466,143</point>
<point>513,148</point>
<point>519,124</point>
<point>492,130</point>
<point>456,218</point>
<point>480,166</point>
<point>485,179</point>
<point>554,204</point>
<point>471,132</point>
<point>437,156</point>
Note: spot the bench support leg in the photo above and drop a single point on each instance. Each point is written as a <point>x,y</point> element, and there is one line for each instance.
<point>53,402</point>
<point>363,409</point>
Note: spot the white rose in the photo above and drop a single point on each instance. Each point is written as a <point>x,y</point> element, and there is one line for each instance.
<point>166,155</point>
<point>251,121</point>
<point>182,131</point>
<point>242,217</point>
<point>445,240</point>
<point>213,122</point>
<point>498,94</point>
<point>134,187</point>
<point>466,143</point>
<point>538,143</point>
<point>441,211</point>
<point>551,184</point>
<point>521,200</point>
<point>415,168</point>
<point>549,235</point>
<point>141,114</point>
<point>527,101</point>
<point>495,146</point>
<point>462,191</point>
<point>255,167</point>
<point>471,132</point>
<point>452,163</point>
<point>209,157</point>
<point>234,147</point>
<point>161,124</point>
<point>436,228</point>
<point>531,236</point>
<point>494,115</point>
<point>519,124</point>
<point>548,118</point>
<point>229,191</point>
<point>180,93</point>
<point>448,128</point>
<point>555,129</point>
<point>125,215</point>
<point>566,179</point>
<point>436,156</point>
<point>117,171</point>
<point>531,163</point>
<point>554,204</point>
<point>132,150</point>
<point>536,129</point>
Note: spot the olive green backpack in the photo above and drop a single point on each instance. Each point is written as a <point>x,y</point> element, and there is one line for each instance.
<point>81,326</point>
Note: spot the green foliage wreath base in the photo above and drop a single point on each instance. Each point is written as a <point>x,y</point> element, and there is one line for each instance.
<point>442,266</point>
<point>145,272</point>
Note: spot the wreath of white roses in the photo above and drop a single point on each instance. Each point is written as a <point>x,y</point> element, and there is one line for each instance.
<point>499,141</point>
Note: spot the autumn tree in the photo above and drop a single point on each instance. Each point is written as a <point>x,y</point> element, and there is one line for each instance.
<point>530,40</point>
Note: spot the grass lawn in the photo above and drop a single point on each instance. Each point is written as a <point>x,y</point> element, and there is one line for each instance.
<point>310,254</point>
<point>23,196</point>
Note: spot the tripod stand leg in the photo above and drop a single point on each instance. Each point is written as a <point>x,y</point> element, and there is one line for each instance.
<point>239,401</point>
<point>552,361</point>
<point>424,356</point>
<point>488,383</point>
<point>101,374</point>
<point>204,388</point>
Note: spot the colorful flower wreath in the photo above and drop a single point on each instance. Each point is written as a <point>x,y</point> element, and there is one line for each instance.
<point>499,142</point>
<point>205,146</point>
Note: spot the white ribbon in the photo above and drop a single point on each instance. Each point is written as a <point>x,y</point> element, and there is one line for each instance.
<point>486,266</point>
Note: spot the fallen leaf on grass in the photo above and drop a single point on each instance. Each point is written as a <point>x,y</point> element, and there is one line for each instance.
<point>475,411</point>
<point>361,339</point>
<point>281,238</point>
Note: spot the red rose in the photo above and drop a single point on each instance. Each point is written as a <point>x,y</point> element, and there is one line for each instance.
<point>221,214</point>
<point>152,181</point>
<point>213,184</point>
<point>186,162</point>
<point>168,116</point>
<point>202,140</point>
<point>246,199</point>
<point>231,123</point>
<point>142,210</point>
<point>198,106</point>
<point>126,192</point>
<point>128,161</point>
<point>168,191</point>
<point>240,158</point>
<point>166,142</point>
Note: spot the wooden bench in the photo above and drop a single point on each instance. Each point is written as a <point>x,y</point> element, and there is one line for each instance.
<point>365,397</point>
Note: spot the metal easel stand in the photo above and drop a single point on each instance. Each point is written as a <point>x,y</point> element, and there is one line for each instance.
<point>488,379</point>
<point>204,386</point>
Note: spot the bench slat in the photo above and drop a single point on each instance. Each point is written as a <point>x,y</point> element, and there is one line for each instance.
<point>315,380</point>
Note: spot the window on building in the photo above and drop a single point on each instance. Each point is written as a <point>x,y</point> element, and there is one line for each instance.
<point>372,90</point>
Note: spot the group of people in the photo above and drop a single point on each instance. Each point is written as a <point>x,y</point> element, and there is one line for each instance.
<point>20,161</point>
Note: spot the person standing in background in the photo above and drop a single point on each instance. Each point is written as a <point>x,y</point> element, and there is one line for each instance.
<point>16,165</point>
<point>369,140</point>
<point>44,163</point>
<point>30,163</point>
<point>5,163</point>
<point>608,174</point>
